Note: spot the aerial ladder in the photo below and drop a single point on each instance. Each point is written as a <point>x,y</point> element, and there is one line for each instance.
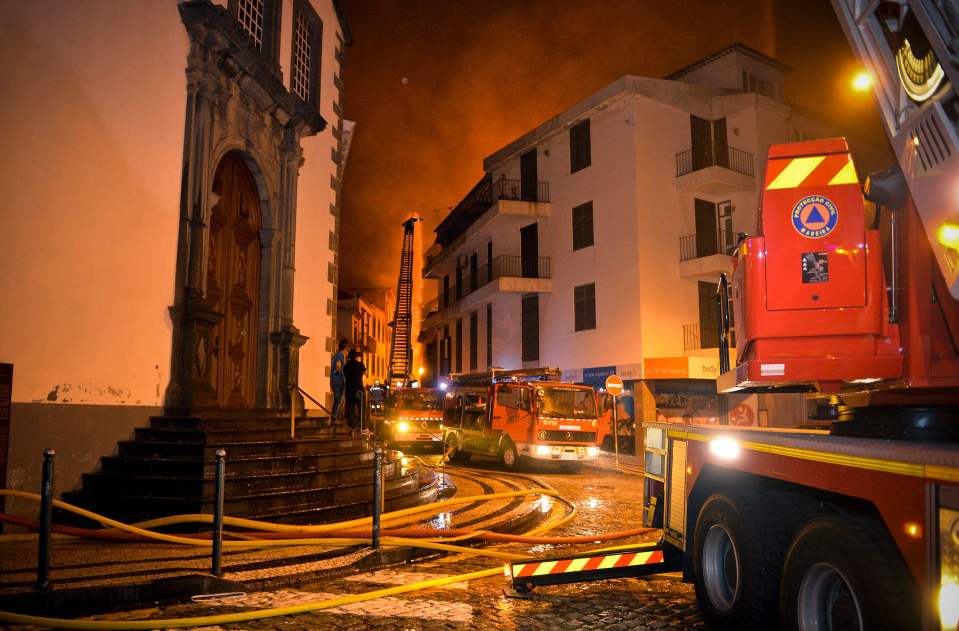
<point>401,346</point>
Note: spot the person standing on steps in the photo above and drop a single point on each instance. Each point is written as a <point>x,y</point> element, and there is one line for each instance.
<point>338,380</point>
<point>353,372</point>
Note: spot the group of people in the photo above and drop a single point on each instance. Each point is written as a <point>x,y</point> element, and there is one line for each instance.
<point>346,383</point>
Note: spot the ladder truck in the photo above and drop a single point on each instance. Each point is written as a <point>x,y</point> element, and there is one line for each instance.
<point>401,343</point>
<point>848,289</point>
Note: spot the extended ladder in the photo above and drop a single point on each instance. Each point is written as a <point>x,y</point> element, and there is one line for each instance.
<point>401,347</point>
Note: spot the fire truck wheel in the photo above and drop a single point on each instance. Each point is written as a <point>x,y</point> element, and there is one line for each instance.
<point>735,564</point>
<point>508,456</point>
<point>844,573</point>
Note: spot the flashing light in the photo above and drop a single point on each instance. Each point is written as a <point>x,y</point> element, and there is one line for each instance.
<point>913,530</point>
<point>421,371</point>
<point>948,235</point>
<point>542,450</point>
<point>949,606</point>
<point>862,81</point>
<point>592,451</point>
<point>403,426</point>
<point>725,448</point>
<point>444,386</point>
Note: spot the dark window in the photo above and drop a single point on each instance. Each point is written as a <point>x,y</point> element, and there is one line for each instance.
<point>583,226</point>
<point>474,343</point>
<point>474,270</point>
<point>459,346</point>
<point>579,147</point>
<point>445,344</point>
<point>489,335</point>
<point>530,325</point>
<point>306,55</point>
<point>260,21</point>
<point>446,290</point>
<point>584,300</point>
<point>489,262</point>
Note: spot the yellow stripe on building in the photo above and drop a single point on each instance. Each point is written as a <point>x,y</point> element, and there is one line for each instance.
<point>797,171</point>
<point>577,565</point>
<point>846,175</point>
<point>544,568</point>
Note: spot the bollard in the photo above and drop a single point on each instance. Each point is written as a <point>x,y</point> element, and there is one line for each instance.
<point>217,569</point>
<point>46,521</point>
<point>377,494</point>
<point>361,403</point>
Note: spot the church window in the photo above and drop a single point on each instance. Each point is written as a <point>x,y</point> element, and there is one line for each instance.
<point>258,19</point>
<point>304,65</point>
<point>250,16</point>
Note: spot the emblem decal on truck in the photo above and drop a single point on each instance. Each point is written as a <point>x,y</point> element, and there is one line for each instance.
<point>814,216</point>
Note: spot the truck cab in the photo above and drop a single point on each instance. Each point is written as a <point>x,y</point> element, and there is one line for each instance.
<point>514,415</point>
<point>414,417</point>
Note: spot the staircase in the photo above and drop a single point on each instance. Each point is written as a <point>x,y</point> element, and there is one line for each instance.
<point>401,348</point>
<point>322,475</point>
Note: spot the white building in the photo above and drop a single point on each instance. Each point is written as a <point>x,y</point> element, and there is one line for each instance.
<point>594,242</point>
<point>362,319</point>
<point>171,201</point>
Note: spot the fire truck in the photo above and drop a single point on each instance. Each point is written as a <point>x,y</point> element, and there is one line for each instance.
<point>520,414</point>
<point>413,417</point>
<point>848,289</point>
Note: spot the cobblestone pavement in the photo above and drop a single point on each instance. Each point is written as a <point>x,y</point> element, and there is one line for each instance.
<point>606,501</point>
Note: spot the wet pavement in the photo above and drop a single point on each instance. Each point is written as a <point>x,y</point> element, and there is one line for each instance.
<point>606,501</point>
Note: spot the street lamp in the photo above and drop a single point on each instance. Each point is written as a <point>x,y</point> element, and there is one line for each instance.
<point>862,81</point>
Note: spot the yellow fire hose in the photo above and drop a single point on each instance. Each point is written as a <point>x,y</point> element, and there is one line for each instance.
<point>61,623</point>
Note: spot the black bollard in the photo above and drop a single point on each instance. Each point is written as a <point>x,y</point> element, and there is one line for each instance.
<point>46,521</point>
<point>377,493</point>
<point>217,569</point>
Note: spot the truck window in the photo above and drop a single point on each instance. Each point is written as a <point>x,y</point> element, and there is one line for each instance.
<point>567,402</point>
<point>508,396</point>
<point>452,411</point>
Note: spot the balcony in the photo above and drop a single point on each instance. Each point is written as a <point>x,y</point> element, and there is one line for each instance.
<point>697,336</point>
<point>489,200</point>
<point>706,255</point>
<point>507,273</point>
<point>715,169</point>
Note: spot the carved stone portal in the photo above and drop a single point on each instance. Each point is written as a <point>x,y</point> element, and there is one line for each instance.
<point>234,341</point>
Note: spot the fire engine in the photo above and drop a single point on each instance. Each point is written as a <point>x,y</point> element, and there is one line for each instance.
<point>520,414</point>
<point>414,417</point>
<point>848,289</point>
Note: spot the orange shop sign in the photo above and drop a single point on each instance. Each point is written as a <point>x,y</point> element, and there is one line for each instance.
<point>666,368</point>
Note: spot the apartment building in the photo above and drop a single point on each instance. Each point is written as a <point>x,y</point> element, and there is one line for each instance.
<point>595,241</point>
<point>362,319</point>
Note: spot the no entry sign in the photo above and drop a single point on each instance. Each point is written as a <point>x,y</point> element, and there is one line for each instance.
<point>614,385</point>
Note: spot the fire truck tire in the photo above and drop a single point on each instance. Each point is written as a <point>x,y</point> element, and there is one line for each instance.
<point>454,453</point>
<point>736,566</point>
<point>845,572</point>
<point>508,456</point>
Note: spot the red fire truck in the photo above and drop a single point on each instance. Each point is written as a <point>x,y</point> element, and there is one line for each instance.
<point>520,414</point>
<point>856,526</point>
<point>414,416</point>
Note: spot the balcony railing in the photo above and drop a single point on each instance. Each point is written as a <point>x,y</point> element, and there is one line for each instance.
<point>513,189</point>
<point>503,266</point>
<point>714,154</point>
<point>695,246</point>
<point>697,336</point>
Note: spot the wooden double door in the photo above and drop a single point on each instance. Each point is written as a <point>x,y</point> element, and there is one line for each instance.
<point>233,273</point>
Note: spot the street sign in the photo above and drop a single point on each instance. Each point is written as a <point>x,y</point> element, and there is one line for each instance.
<point>614,385</point>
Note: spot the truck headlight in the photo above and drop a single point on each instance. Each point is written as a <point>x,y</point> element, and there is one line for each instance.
<point>949,564</point>
<point>542,450</point>
<point>403,426</point>
<point>592,451</point>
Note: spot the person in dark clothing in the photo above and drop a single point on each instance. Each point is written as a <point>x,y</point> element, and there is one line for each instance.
<point>353,373</point>
<point>337,380</point>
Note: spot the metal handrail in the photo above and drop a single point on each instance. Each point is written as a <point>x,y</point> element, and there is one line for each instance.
<point>297,388</point>
<point>714,154</point>
<point>505,265</point>
<point>694,246</point>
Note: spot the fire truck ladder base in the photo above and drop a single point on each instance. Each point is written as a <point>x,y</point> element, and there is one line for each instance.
<point>642,560</point>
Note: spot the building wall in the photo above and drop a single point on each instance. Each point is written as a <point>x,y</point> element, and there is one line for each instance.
<point>93,118</point>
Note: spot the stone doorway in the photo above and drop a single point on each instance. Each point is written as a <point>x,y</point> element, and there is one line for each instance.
<point>233,281</point>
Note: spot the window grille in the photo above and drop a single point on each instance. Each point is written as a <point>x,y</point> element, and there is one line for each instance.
<point>302,47</point>
<point>250,13</point>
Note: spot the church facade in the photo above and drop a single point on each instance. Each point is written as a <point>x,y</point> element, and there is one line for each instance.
<point>170,221</point>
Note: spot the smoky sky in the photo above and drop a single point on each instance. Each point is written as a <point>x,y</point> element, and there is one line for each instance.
<point>436,86</point>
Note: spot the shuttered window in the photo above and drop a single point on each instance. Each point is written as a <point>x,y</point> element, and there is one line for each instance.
<point>584,301</point>
<point>489,335</point>
<point>530,317</point>
<point>474,343</point>
<point>579,147</point>
<point>583,226</point>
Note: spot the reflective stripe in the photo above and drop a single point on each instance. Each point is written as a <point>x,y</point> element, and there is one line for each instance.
<point>846,175</point>
<point>577,564</point>
<point>608,562</point>
<point>797,171</point>
<point>544,568</point>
